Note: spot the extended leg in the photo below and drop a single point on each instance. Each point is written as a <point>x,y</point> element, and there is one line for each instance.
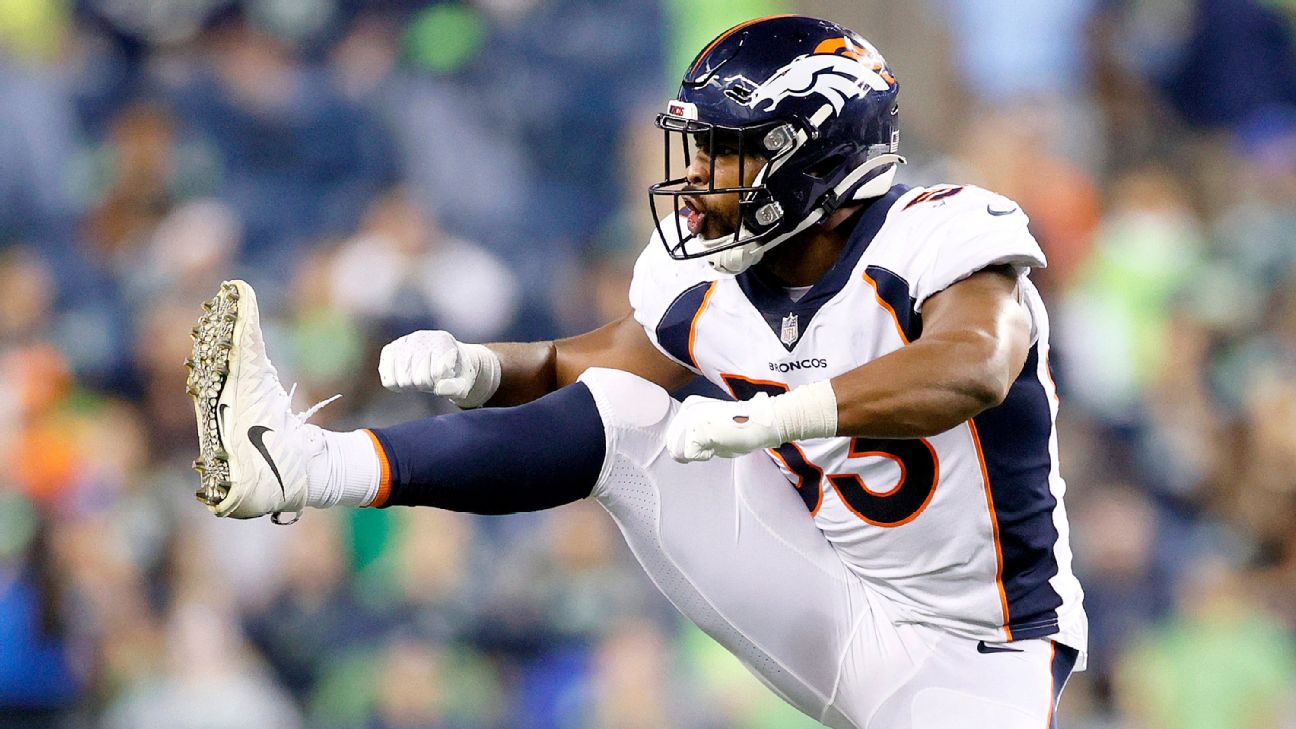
<point>731,545</point>
<point>727,541</point>
<point>497,461</point>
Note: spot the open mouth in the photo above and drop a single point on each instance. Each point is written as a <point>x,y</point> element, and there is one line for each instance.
<point>694,218</point>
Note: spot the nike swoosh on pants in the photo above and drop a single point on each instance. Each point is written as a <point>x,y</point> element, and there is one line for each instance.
<point>982,647</point>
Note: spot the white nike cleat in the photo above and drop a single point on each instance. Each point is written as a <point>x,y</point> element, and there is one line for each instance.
<point>253,450</point>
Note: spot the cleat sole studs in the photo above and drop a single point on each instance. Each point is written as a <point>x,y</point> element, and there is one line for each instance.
<point>209,367</point>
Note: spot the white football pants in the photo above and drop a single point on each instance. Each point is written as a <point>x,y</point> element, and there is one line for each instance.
<point>731,545</point>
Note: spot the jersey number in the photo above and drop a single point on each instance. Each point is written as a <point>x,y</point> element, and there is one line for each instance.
<point>919,469</point>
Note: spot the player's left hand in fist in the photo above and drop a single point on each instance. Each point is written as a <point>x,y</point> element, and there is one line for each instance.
<point>435,362</point>
<point>705,428</point>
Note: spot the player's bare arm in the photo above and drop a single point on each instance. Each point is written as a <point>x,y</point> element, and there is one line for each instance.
<point>975,339</point>
<point>534,369</point>
<point>512,373</point>
<point>976,335</point>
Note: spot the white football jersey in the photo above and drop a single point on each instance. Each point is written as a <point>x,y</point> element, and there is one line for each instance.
<point>966,529</point>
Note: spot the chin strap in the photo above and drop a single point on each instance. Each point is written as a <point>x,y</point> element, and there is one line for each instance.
<point>735,260</point>
<point>879,185</point>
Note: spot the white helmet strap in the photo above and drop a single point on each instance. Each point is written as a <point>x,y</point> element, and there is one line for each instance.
<point>737,259</point>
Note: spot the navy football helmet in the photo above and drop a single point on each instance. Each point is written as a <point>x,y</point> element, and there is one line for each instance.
<point>815,100</point>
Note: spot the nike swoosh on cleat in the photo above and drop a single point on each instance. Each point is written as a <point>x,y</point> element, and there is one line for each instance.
<point>983,648</point>
<point>220,424</point>
<point>997,213</point>
<point>255,434</point>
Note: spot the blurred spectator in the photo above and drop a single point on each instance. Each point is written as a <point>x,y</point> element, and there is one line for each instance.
<point>1006,50</point>
<point>315,613</point>
<point>630,689</point>
<point>1234,34</point>
<point>402,267</point>
<point>1221,663</point>
<point>185,255</point>
<point>38,681</point>
<point>142,181</point>
<point>38,134</point>
<point>1116,530</point>
<point>298,161</point>
<point>1011,151</point>
<point>1115,319</point>
<point>436,689</point>
<point>205,680</point>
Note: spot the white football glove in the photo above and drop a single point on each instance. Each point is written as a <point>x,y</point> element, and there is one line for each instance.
<point>435,362</point>
<point>705,428</point>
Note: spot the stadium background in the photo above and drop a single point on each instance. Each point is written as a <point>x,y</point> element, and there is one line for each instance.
<point>376,167</point>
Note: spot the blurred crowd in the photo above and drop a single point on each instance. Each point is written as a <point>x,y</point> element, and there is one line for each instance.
<point>383,166</point>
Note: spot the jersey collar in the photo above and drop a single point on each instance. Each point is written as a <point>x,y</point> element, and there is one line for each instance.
<point>770,298</point>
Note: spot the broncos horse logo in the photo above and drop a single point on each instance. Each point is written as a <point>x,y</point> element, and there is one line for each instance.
<point>838,70</point>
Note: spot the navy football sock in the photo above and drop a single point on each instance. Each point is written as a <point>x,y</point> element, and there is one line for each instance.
<point>498,460</point>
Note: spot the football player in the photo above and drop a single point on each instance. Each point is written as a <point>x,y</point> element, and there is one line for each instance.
<point>874,525</point>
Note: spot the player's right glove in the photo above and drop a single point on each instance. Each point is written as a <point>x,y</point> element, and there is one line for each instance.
<point>435,362</point>
<point>705,428</point>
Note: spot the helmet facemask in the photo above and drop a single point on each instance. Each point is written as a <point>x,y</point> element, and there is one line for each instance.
<point>758,214</point>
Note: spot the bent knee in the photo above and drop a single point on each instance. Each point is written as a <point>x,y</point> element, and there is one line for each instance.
<point>625,400</point>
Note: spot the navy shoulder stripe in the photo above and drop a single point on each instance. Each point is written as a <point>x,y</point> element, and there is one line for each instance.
<point>893,292</point>
<point>1014,439</point>
<point>675,330</point>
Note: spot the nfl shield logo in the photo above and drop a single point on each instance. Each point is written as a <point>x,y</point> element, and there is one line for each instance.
<point>789,333</point>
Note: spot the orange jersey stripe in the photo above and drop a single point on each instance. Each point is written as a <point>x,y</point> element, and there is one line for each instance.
<point>994,523</point>
<point>877,293</point>
<point>768,383</point>
<point>1052,684</point>
<point>730,32</point>
<point>384,479</point>
<point>1048,367</point>
<point>693,327</point>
